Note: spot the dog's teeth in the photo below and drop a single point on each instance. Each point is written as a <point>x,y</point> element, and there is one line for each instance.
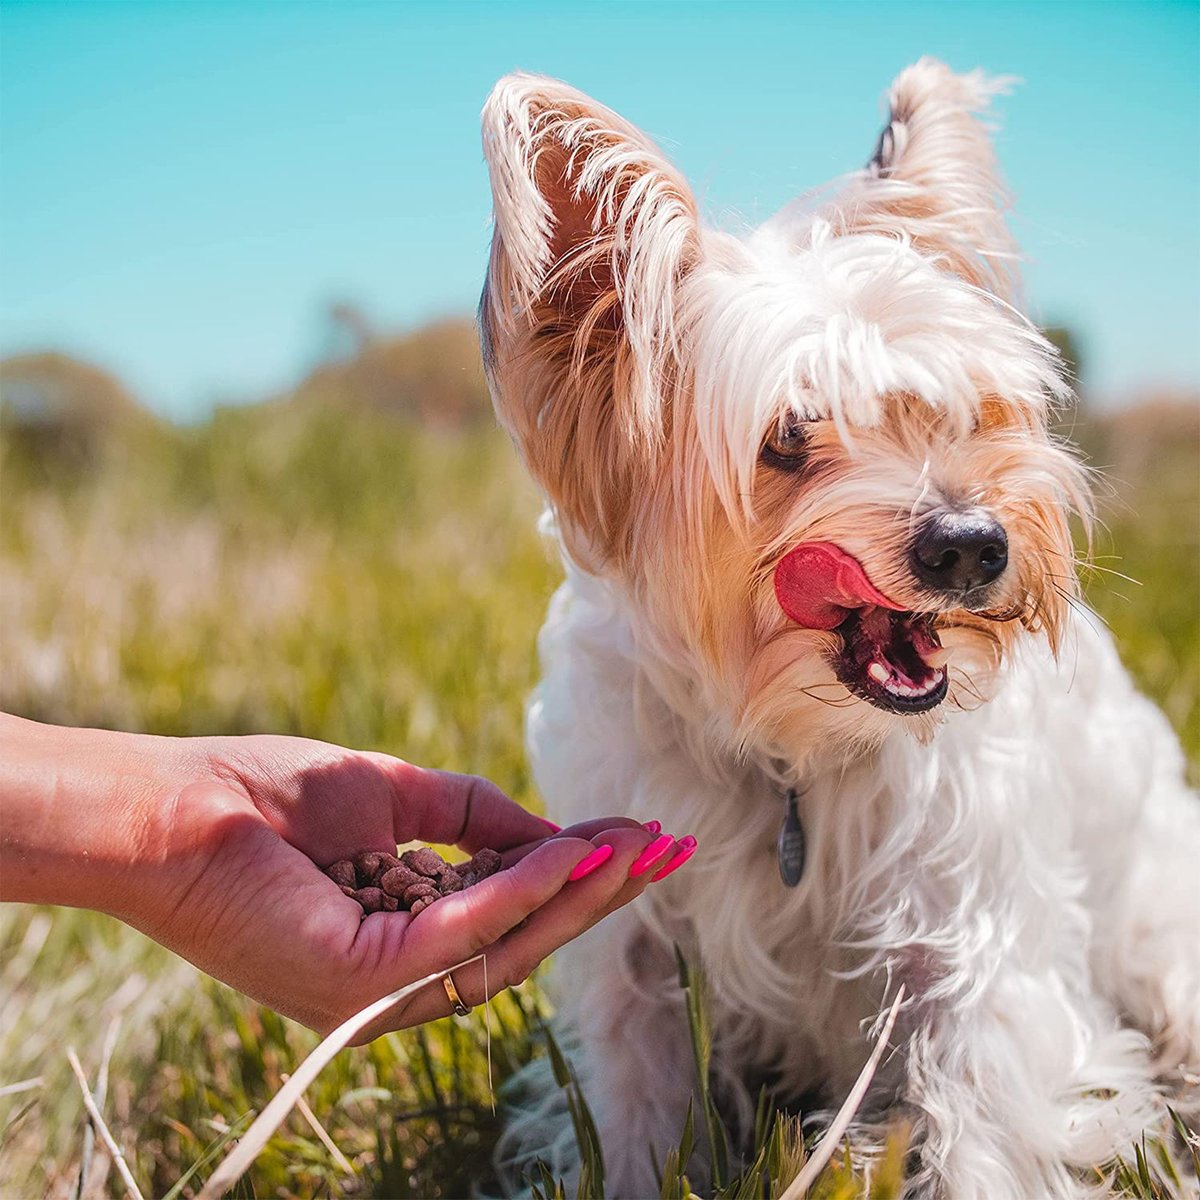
<point>882,675</point>
<point>936,658</point>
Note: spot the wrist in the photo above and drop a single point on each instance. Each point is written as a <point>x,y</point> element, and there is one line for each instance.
<point>85,817</point>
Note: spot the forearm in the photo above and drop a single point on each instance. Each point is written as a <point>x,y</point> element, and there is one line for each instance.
<point>81,815</point>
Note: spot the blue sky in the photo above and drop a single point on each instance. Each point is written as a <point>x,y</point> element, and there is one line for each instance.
<point>184,186</point>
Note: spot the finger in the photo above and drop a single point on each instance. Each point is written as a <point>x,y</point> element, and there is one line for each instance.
<point>656,853</point>
<point>392,947</point>
<point>460,925</point>
<point>597,825</point>
<point>659,854</point>
<point>658,858</point>
<point>510,960</point>
<point>462,810</point>
<point>584,829</point>
<point>388,952</point>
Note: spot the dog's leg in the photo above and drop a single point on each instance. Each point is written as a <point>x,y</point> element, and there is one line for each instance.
<point>1150,943</point>
<point>1145,859</point>
<point>1118,777</point>
<point>622,1026</point>
<point>635,1062</point>
<point>1022,1092</point>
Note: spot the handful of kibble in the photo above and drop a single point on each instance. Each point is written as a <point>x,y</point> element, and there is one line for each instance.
<point>381,882</point>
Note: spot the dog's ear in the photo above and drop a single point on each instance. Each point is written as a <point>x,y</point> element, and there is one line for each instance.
<point>934,178</point>
<point>593,231</point>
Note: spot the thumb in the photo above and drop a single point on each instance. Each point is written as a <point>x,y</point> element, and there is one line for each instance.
<point>462,810</point>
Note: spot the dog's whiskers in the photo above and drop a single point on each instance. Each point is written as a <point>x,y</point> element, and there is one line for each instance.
<point>964,683</point>
<point>846,701</point>
<point>1089,615</point>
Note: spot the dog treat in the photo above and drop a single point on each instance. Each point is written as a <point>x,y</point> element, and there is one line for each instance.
<point>371,899</point>
<point>480,866</point>
<point>344,875</point>
<point>381,882</point>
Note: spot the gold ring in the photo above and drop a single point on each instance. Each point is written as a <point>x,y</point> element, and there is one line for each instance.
<point>456,1001</point>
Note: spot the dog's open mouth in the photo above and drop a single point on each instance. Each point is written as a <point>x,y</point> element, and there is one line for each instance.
<point>893,659</point>
<point>889,656</point>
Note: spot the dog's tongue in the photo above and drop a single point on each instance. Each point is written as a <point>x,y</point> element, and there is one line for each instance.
<point>818,583</point>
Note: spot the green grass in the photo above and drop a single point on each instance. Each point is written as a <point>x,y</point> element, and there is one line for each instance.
<point>358,580</point>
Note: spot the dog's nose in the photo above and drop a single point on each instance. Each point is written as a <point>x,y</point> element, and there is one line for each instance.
<point>960,549</point>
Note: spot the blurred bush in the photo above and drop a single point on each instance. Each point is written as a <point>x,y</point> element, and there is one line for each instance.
<point>61,412</point>
<point>433,375</point>
<point>1144,577</point>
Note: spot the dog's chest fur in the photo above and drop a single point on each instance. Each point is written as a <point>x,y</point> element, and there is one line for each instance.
<point>928,863</point>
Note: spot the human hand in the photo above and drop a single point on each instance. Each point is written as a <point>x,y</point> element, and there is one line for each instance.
<point>227,834</point>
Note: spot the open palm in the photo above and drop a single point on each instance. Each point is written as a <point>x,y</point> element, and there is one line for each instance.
<point>255,910</point>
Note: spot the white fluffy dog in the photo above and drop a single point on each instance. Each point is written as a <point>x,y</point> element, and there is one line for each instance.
<point>816,538</point>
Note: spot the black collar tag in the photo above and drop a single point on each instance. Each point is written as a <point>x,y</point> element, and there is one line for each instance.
<point>791,846</point>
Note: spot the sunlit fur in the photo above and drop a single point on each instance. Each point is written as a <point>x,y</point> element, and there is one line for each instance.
<point>640,360</point>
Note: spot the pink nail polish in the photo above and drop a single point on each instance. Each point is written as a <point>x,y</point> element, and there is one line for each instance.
<point>553,828</point>
<point>585,866</point>
<point>651,856</point>
<point>652,826</point>
<point>687,847</point>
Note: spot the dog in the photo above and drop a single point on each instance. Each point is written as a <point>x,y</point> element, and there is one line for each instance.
<point>820,587</point>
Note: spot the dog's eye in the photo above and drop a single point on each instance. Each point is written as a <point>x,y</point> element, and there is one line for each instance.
<point>786,446</point>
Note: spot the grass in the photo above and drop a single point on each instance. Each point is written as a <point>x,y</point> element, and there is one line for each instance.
<point>295,570</point>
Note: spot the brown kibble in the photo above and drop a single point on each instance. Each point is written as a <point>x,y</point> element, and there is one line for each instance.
<point>367,865</point>
<point>381,882</point>
<point>420,891</point>
<point>342,873</point>
<point>371,898</point>
<point>484,863</point>
<point>425,862</point>
<point>398,878</point>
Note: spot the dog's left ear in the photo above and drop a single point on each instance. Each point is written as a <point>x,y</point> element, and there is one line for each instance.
<point>934,179</point>
<point>594,229</point>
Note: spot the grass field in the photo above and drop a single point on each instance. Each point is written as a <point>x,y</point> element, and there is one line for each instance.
<point>358,579</point>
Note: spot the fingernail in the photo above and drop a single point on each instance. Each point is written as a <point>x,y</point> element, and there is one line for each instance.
<point>651,856</point>
<point>652,826</point>
<point>687,847</point>
<point>553,828</point>
<point>585,866</point>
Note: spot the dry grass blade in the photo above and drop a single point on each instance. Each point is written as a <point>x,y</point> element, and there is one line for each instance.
<point>238,1161</point>
<point>833,1135</point>
<point>322,1133</point>
<point>118,1155</point>
<point>24,1085</point>
<point>101,1093</point>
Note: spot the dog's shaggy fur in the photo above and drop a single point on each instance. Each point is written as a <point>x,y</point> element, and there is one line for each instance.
<point>1023,854</point>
